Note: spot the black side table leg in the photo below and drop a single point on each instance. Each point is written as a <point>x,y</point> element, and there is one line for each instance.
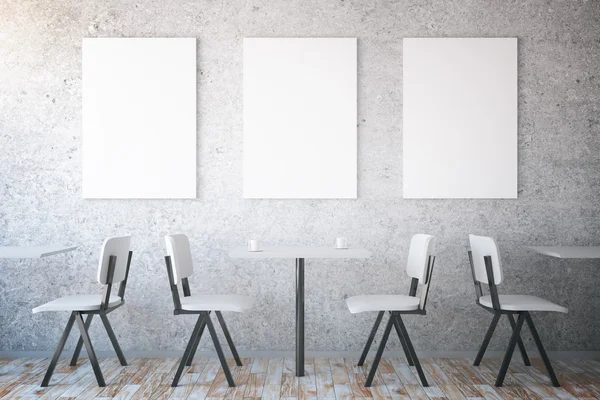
<point>300,317</point>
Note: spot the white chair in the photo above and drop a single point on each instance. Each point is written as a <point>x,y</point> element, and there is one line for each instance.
<point>419,268</point>
<point>486,268</point>
<point>115,259</point>
<point>179,268</point>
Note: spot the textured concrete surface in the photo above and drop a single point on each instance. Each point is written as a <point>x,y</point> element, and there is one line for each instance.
<point>40,164</point>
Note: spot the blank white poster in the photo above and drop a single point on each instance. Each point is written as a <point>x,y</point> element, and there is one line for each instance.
<point>139,118</point>
<point>300,118</point>
<point>460,118</point>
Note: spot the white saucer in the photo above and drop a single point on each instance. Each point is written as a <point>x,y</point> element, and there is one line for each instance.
<point>341,248</point>
<point>255,251</point>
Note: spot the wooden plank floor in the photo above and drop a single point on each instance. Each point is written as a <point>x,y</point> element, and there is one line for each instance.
<point>335,378</point>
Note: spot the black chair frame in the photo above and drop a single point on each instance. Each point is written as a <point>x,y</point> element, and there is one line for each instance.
<point>396,320</point>
<point>202,322</point>
<point>515,338</point>
<point>84,339</point>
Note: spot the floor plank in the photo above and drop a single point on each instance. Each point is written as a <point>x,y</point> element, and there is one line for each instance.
<point>325,378</point>
<point>202,386</point>
<point>341,381</point>
<point>307,384</point>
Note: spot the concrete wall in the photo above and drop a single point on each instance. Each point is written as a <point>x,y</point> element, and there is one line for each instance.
<point>40,187</point>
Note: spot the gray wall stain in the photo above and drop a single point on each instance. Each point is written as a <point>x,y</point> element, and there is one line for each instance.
<point>40,190</point>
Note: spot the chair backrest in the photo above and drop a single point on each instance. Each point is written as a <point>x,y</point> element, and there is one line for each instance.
<point>421,248</point>
<point>118,247</point>
<point>178,248</point>
<point>482,246</point>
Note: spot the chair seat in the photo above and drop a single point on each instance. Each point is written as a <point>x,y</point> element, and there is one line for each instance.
<point>78,302</point>
<point>217,303</point>
<point>382,302</point>
<point>522,303</point>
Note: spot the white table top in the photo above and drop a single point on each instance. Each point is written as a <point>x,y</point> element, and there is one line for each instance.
<point>33,251</point>
<point>567,251</point>
<point>300,252</point>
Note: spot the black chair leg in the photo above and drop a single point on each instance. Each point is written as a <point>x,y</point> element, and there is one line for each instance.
<point>188,349</point>
<point>510,350</point>
<point>113,339</point>
<point>384,339</point>
<point>88,322</point>
<point>403,343</point>
<point>363,356</point>
<point>59,349</point>
<point>219,350</point>
<point>90,350</point>
<point>228,338</point>
<point>196,343</point>
<point>524,356</point>
<point>411,349</point>
<point>487,338</point>
<point>540,347</point>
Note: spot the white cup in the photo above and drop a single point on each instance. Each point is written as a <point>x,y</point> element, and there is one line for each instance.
<point>341,243</point>
<point>253,245</point>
